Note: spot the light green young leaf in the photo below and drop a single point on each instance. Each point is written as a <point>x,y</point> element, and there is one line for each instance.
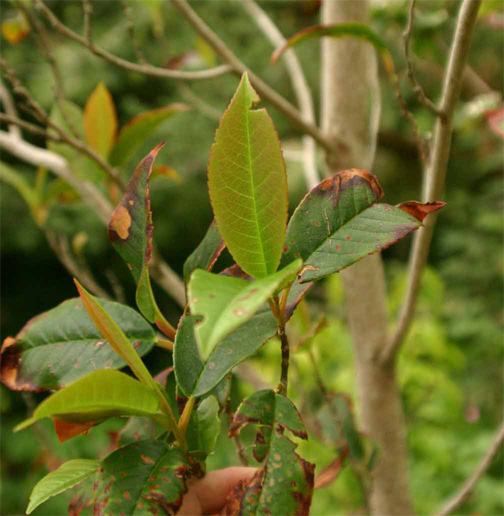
<point>204,426</point>
<point>65,477</point>
<point>226,303</point>
<point>248,184</point>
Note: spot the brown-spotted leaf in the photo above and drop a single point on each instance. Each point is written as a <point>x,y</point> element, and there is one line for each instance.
<point>340,221</point>
<point>130,231</point>
<point>329,474</point>
<point>284,484</point>
<point>419,210</point>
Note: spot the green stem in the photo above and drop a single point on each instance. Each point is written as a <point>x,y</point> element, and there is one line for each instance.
<point>184,420</point>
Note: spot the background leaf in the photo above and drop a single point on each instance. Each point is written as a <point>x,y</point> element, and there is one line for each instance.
<point>248,184</point>
<point>66,476</point>
<point>100,120</point>
<point>339,222</point>
<point>284,484</point>
<point>147,477</point>
<point>138,129</point>
<point>226,303</point>
<point>62,345</point>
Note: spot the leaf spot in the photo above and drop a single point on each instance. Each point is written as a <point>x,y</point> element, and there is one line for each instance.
<point>147,460</point>
<point>121,222</point>
<point>127,495</point>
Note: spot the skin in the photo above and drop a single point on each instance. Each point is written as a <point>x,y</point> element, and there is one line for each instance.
<point>208,495</point>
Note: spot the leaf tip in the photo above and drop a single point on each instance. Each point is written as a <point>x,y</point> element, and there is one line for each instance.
<point>420,210</point>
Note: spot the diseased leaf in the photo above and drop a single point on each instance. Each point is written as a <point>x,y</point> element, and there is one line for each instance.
<point>206,254</point>
<point>115,336</point>
<point>66,476</point>
<point>195,377</point>
<point>339,222</point>
<point>100,120</point>
<point>248,184</point>
<point>340,30</point>
<point>16,28</point>
<point>98,396</point>
<point>62,345</point>
<point>130,231</point>
<point>138,129</point>
<point>495,119</point>
<point>148,477</point>
<point>226,303</point>
<point>204,426</point>
<point>329,474</point>
<point>284,484</point>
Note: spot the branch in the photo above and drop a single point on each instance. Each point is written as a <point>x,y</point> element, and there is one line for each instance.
<point>13,121</point>
<point>298,80</point>
<point>128,65</point>
<point>10,109</point>
<point>239,67</point>
<point>436,171</point>
<point>131,31</point>
<point>469,485</point>
<point>417,88</point>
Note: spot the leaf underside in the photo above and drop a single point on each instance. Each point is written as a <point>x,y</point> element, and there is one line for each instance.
<point>62,345</point>
<point>195,377</point>
<point>284,484</point>
<point>204,426</point>
<point>339,222</point>
<point>248,184</point>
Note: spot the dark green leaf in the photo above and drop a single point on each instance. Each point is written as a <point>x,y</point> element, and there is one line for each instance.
<point>66,476</point>
<point>148,477</point>
<point>195,377</point>
<point>248,184</point>
<point>284,484</point>
<point>62,345</point>
<point>204,426</point>
<point>339,222</point>
<point>205,255</point>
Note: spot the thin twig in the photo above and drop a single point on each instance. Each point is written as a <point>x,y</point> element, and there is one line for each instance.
<point>471,482</point>
<point>191,98</point>
<point>240,450</point>
<point>436,171</point>
<point>117,288</point>
<point>131,31</point>
<point>10,109</point>
<point>32,128</point>
<point>299,83</point>
<point>128,65</point>
<point>239,67</point>
<point>417,88</point>
<point>88,30</point>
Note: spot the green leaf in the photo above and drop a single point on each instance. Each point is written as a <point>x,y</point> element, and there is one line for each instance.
<point>248,184</point>
<point>11,177</point>
<point>340,30</point>
<point>114,335</point>
<point>226,303</point>
<point>99,395</point>
<point>339,222</point>
<point>100,120</point>
<point>284,484</point>
<point>62,345</point>
<point>195,377</point>
<point>138,129</point>
<point>147,477</point>
<point>66,476</point>
<point>204,426</point>
<point>206,254</point>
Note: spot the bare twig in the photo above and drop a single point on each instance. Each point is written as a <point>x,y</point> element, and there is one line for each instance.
<point>417,88</point>
<point>240,450</point>
<point>436,171</point>
<point>298,80</point>
<point>131,31</point>
<point>59,245</point>
<point>13,121</point>
<point>10,109</point>
<point>471,482</point>
<point>117,288</point>
<point>88,31</point>
<point>191,98</point>
<point>123,63</point>
<point>239,67</point>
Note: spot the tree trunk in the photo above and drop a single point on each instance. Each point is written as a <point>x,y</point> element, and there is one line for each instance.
<point>350,112</point>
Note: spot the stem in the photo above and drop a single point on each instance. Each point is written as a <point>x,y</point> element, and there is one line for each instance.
<point>165,344</point>
<point>184,420</point>
<point>284,376</point>
<point>240,450</point>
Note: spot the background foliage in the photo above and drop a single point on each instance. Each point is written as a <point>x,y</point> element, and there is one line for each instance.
<point>450,368</point>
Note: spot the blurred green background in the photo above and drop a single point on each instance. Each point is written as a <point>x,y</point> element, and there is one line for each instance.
<point>450,368</point>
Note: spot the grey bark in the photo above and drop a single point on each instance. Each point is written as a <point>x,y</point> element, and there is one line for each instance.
<point>349,79</point>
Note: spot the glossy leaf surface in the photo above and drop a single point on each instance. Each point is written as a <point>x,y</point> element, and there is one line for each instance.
<point>147,477</point>
<point>115,336</point>
<point>99,395</point>
<point>100,120</point>
<point>226,302</point>
<point>284,484</point>
<point>206,254</point>
<point>248,184</point>
<point>65,477</point>
<point>339,222</point>
<point>62,345</point>
<point>195,377</point>
<point>204,426</point>
<point>138,129</point>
